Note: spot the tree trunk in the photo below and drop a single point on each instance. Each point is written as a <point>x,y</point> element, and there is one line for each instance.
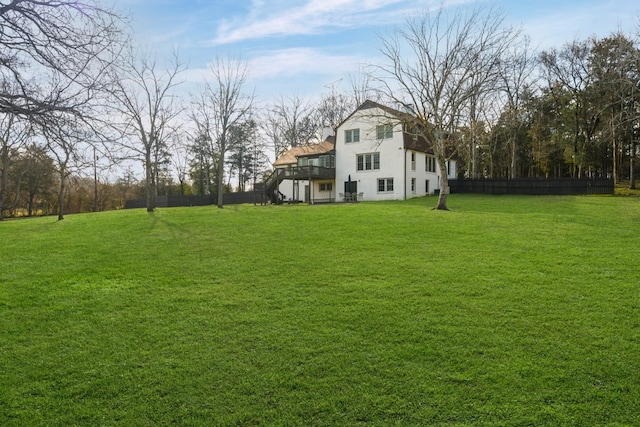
<point>632,166</point>
<point>444,185</point>
<point>4,159</point>
<point>514,158</point>
<point>220,177</point>
<point>614,146</point>
<point>30,206</point>
<point>150,186</point>
<point>61,195</point>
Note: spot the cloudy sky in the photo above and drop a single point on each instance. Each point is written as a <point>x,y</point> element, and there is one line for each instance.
<point>301,47</point>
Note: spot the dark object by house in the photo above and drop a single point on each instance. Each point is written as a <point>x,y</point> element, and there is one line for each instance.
<point>532,186</point>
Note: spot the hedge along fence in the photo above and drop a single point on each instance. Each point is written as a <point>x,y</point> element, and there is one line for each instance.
<point>533,186</point>
<point>209,199</point>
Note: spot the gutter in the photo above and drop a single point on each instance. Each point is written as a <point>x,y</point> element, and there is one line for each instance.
<point>405,168</point>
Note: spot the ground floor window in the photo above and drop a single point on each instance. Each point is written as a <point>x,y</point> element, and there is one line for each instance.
<point>413,185</point>
<point>426,187</point>
<point>326,186</point>
<point>385,185</point>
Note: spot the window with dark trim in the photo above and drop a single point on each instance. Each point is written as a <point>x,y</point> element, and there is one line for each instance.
<point>367,162</point>
<point>430,164</point>
<point>385,185</point>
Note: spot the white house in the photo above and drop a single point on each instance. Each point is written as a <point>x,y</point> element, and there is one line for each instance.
<point>378,160</point>
<point>373,158</point>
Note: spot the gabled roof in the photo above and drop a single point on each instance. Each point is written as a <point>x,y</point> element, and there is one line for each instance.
<point>368,104</point>
<point>290,157</point>
<point>411,143</point>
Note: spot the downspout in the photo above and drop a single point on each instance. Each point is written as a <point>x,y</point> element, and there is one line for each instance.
<point>310,186</point>
<point>405,171</point>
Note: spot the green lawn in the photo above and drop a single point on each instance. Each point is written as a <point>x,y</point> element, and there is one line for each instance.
<point>504,311</point>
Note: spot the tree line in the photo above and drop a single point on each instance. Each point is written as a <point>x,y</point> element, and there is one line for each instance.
<point>78,99</point>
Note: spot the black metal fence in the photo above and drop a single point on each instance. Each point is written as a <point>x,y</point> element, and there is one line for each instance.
<point>176,201</point>
<point>532,186</point>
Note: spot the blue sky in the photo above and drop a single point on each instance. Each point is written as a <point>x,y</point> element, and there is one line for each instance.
<point>301,47</point>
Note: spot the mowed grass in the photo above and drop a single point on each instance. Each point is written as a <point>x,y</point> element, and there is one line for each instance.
<point>504,311</point>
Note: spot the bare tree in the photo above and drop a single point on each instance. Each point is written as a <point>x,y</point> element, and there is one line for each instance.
<point>361,86</point>
<point>13,136</point>
<point>69,142</point>
<point>180,162</point>
<point>452,59</point>
<point>334,107</point>
<point>54,53</point>
<point>147,107</point>
<point>222,105</point>
<point>54,57</point>
<point>290,122</point>
<point>516,74</point>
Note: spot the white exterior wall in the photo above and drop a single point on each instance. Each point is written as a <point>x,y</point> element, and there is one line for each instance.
<point>391,151</point>
<point>421,176</point>
<point>395,161</point>
<point>286,187</point>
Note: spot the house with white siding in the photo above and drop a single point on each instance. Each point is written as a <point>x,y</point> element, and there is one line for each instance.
<point>375,156</point>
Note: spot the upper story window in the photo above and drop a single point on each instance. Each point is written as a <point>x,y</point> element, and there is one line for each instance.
<point>430,164</point>
<point>327,161</point>
<point>384,131</point>
<point>367,162</point>
<point>352,135</point>
<point>413,161</point>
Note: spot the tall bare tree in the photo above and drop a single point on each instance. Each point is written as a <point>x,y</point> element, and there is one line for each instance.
<point>146,109</point>
<point>516,79</point>
<point>291,122</point>
<point>222,105</point>
<point>69,141</point>
<point>53,54</point>
<point>334,107</point>
<point>361,86</point>
<point>451,58</point>
<point>54,57</point>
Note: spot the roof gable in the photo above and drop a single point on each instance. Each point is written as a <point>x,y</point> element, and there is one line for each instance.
<point>410,142</point>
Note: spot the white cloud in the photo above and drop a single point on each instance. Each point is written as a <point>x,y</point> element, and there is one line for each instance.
<point>313,17</point>
<point>296,61</point>
<point>286,63</point>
